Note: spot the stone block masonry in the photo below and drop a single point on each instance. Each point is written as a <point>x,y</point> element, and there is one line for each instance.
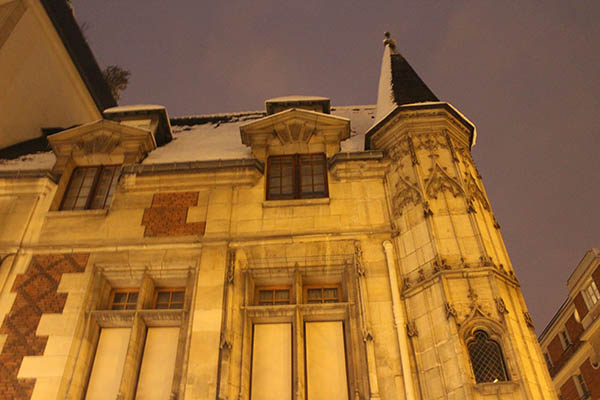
<point>168,215</point>
<point>36,295</point>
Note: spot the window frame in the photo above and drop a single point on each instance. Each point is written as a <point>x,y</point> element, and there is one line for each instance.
<point>128,292</point>
<point>139,321</point>
<point>169,290</point>
<point>323,299</point>
<point>273,289</point>
<point>591,295</point>
<point>100,170</point>
<point>297,163</point>
<point>298,313</point>
<point>581,387</point>
<point>565,340</point>
<point>489,340</point>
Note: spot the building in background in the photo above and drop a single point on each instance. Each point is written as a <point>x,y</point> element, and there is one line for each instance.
<point>305,251</point>
<point>571,341</point>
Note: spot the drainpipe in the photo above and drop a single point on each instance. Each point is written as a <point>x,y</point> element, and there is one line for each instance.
<point>399,321</point>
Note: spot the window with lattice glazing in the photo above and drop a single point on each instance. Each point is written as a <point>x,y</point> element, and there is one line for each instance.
<point>298,176</point>
<point>486,358</point>
<point>91,188</point>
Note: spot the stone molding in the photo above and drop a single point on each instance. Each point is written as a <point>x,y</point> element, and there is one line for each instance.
<point>100,142</point>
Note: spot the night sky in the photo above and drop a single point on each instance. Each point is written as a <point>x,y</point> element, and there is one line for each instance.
<point>526,73</point>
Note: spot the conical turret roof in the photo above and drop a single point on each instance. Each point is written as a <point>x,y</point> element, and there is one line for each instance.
<point>399,84</point>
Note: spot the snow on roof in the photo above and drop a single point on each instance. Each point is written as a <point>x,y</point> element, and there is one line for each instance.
<point>134,107</point>
<point>296,98</point>
<point>43,160</point>
<point>212,137</point>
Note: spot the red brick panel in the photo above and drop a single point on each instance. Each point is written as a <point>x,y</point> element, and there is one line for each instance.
<point>580,305</point>
<point>168,215</point>
<point>574,329</point>
<point>555,350</point>
<point>36,295</point>
<point>569,391</point>
<point>591,377</point>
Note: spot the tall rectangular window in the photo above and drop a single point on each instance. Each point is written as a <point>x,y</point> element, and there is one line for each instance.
<point>107,369</point>
<point>299,176</point>
<point>91,187</point>
<point>326,361</point>
<point>271,362</point>
<point>158,364</point>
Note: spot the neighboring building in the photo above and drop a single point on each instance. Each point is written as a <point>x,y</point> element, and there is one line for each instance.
<point>571,341</point>
<point>49,79</point>
<point>308,251</point>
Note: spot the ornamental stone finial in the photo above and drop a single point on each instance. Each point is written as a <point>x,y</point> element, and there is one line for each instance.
<point>388,41</point>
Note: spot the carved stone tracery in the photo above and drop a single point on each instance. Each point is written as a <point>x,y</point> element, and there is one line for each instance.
<point>405,193</point>
<point>439,181</point>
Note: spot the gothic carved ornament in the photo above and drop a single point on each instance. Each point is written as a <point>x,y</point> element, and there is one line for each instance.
<point>405,193</point>
<point>439,181</point>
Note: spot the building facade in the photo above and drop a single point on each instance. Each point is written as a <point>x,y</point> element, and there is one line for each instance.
<point>570,342</point>
<point>306,251</point>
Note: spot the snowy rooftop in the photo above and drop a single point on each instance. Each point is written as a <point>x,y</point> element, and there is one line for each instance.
<point>211,137</point>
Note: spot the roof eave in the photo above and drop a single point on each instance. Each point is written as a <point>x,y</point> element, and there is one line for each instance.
<point>68,30</point>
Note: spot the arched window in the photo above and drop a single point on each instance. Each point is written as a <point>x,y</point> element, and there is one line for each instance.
<point>486,358</point>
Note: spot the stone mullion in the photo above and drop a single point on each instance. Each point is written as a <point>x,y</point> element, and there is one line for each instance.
<point>226,344</point>
<point>181,361</point>
<point>367,335</point>
<point>133,359</point>
<point>246,344</point>
<point>357,362</point>
<point>298,350</point>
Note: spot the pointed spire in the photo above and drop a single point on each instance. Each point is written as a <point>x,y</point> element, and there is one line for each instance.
<point>398,83</point>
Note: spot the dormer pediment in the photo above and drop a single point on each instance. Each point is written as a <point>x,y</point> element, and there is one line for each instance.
<point>294,131</point>
<point>101,142</point>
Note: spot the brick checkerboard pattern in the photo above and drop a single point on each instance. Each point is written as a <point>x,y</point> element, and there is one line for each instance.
<point>36,295</point>
<point>168,214</point>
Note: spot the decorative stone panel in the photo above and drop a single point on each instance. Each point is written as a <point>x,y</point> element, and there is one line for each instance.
<point>168,215</point>
<point>36,295</point>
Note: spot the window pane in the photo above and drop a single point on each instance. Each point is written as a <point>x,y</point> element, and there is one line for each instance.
<point>272,362</point>
<point>163,297</point>
<point>120,297</point>
<point>314,293</point>
<point>326,361</point>
<point>108,364</point>
<point>158,364</point>
<point>178,296</point>
<point>265,295</point>
<point>282,295</point>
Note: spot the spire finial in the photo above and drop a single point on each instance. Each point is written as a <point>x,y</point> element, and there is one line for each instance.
<point>388,41</point>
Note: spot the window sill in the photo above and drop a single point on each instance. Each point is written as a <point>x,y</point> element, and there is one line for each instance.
<point>504,387</point>
<point>295,202</point>
<point>77,213</point>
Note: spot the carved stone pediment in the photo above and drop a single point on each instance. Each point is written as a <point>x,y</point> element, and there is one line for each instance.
<point>292,128</point>
<point>104,139</point>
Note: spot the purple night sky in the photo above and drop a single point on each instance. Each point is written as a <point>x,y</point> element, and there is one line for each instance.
<point>526,73</point>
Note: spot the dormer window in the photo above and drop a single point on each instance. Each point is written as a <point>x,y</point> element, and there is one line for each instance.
<point>91,188</point>
<point>298,176</point>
